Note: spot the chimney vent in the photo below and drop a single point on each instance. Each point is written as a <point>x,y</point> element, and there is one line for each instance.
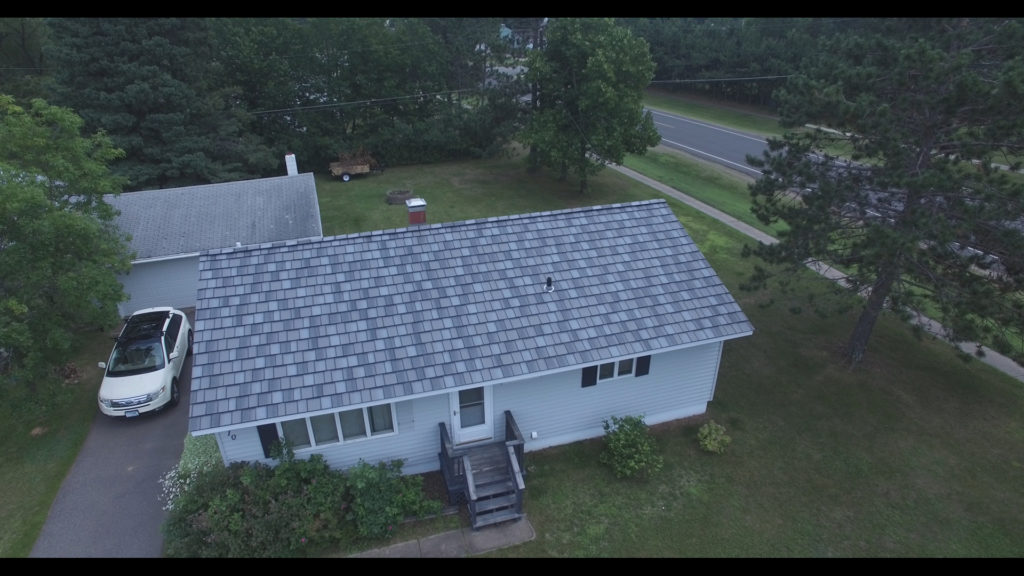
<point>289,162</point>
<point>417,211</point>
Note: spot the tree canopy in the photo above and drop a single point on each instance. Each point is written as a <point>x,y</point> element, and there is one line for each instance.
<point>905,187</point>
<point>60,252</point>
<point>154,85</point>
<point>589,80</point>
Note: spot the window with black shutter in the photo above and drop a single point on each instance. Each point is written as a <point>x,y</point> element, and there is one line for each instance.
<point>268,437</point>
<point>643,365</point>
<point>589,376</point>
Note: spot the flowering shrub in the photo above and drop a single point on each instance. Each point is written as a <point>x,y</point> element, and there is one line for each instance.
<point>629,448</point>
<point>199,454</point>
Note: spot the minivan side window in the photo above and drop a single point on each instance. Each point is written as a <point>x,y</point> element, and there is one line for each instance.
<point>171,335</point>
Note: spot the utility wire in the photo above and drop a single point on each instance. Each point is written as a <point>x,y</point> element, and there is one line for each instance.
<point>720,79</point>
<point>369,102</point>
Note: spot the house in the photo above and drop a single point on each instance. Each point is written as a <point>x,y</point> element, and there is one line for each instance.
<point>420,343</point>
<point>170,227</point>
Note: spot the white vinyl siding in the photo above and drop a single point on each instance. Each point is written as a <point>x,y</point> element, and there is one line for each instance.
<point>416,440</point>
<point>679,385</point>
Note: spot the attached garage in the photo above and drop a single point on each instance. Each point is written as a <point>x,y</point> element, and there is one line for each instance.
<point>169,228</point>
<point>161,282</point>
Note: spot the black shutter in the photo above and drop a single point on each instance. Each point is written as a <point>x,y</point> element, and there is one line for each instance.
<point>268,437</point>
<point>643,365</point>
<point>589,376</point>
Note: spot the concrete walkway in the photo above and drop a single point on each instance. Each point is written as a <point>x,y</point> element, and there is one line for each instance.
<point>458,543</point>
<point>990,357</point>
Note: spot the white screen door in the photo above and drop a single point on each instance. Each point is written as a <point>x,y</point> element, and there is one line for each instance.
<point>471,415</point>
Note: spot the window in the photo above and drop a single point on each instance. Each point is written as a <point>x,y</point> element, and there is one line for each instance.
<point>380,419</point>
<point>639,366</point>
<point>352,424</point>
<point>471,407</point>
<point>296,434</point>
<point>625,367</point>
<point>171,334</point>
<point>325,429</point>
<point>337,427</point>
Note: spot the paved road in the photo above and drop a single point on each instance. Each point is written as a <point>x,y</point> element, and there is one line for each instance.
<point>720,145</point>
<point>109,504</point>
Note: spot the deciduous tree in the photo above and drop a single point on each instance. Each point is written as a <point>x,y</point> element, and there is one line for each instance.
<point>60,252</point>
<point>590,75</point>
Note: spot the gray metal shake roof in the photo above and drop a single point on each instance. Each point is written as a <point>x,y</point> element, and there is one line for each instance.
<point>302,326</point>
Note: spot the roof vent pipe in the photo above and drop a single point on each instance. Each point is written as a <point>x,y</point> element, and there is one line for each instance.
<point>549,287</point>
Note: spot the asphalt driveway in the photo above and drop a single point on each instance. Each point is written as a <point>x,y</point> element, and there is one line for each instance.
<point>109,505</point>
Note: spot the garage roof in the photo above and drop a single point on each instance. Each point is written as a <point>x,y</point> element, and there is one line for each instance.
<point>170,222</point>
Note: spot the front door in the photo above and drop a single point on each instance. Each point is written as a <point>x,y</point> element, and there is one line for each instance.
<point>471,415</point>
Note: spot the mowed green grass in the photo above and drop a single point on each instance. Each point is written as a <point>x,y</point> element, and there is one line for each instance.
<point>42,436</point>
<point>913,454</point>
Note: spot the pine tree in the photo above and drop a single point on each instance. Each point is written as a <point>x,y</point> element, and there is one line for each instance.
<point>904,184</point>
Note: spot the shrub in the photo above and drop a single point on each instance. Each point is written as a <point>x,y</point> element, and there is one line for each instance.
<point>199,455</point>
<point>255,510</point>
<point>712,437</point>
<point>382,497</point>
<point>629,448</point>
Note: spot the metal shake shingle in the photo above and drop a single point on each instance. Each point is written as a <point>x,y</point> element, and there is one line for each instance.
<point>433,307</point>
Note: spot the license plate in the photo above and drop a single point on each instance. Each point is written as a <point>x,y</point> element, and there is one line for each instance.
<point>131,413</point>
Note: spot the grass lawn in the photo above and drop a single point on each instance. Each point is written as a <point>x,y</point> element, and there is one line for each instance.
<point>42,439</point>
<point>915,453</point>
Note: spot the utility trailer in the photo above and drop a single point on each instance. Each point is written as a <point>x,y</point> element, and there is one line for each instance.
<point>348,165</point>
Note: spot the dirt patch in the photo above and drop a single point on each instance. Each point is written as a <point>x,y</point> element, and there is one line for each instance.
<point>38,431</point>
<point>398,196</point>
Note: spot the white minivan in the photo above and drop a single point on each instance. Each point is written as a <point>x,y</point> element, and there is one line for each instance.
<point>145,366</point>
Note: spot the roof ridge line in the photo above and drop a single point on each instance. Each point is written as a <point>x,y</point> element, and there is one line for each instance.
<point>493,219</point>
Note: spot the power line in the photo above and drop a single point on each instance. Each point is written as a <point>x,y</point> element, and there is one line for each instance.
<point>721,79</point>
<point>369,102</point>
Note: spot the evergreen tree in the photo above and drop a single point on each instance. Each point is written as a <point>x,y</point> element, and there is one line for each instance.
<point>907,189</point>
<point>22,66</point>
<point>154,85</point>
